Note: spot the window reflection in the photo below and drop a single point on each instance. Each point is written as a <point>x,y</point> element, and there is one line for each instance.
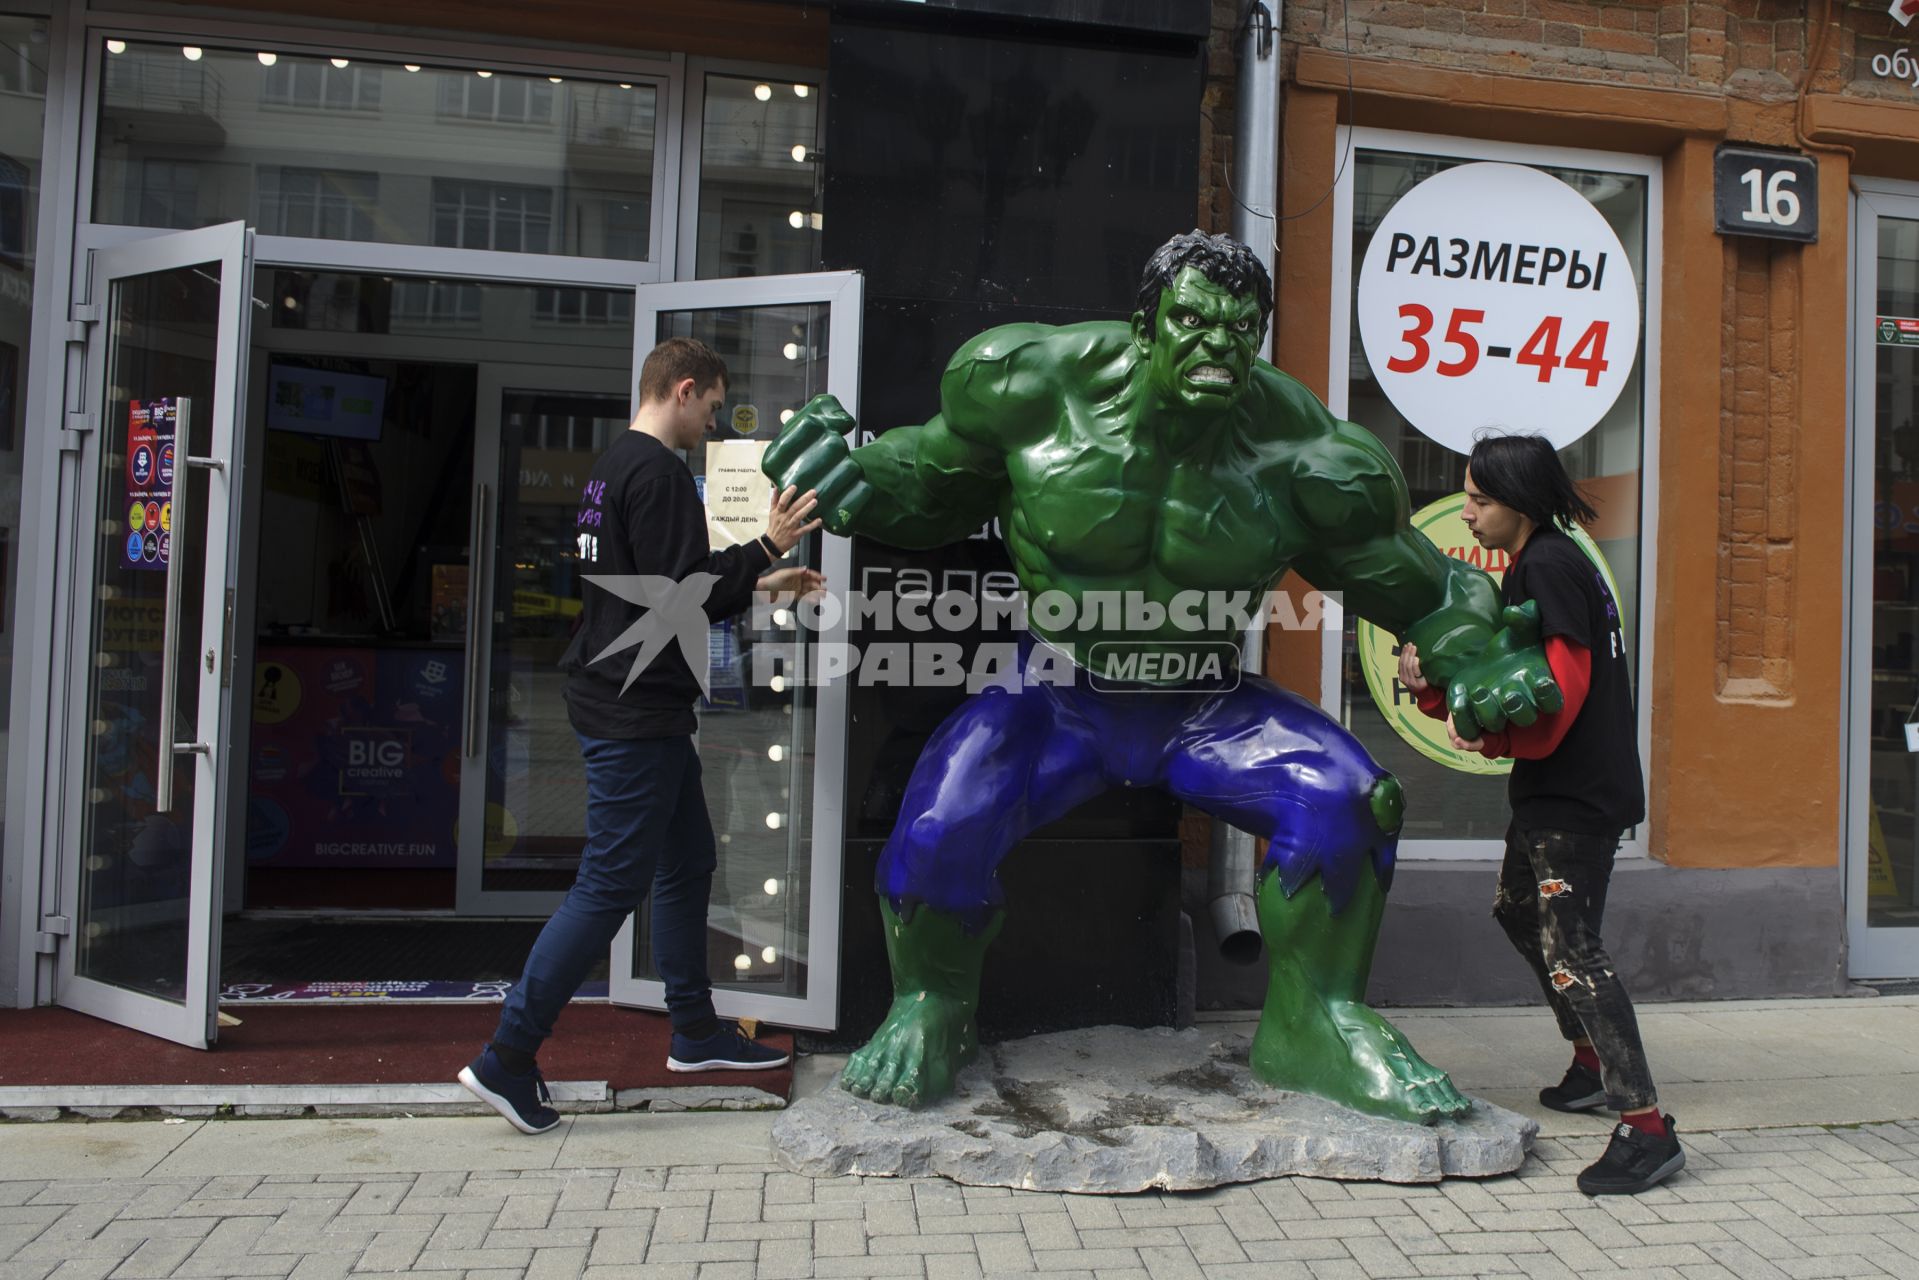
<point>357,149</point>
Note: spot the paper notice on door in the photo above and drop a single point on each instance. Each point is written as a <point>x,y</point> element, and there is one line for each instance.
<point>737,494</point>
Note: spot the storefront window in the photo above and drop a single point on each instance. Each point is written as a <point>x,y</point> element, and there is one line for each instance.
<point>759,171</point>
<point>1447,805</point>
<point>356,149</point>
<point>23,94</point>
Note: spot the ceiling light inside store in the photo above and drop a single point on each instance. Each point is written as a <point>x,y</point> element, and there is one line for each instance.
<point>267,59</point>
<point>290,302</point>
<point>801,90</point>
<point>773,820</point>
<point>772,888</point>
<point>791,350</point>
<point>781,618</point>
<point>557,79</point>
<point>796,219</point>
<point>764,92</point>
<point>769,955</point>
<point>192,52</point>
<point>742,962</point>
<point>786,416</point>
<point>484,75</point>
<point>341,63</point>
<point>777,684</point>
<point>775,753</point>
<point>412,66</point>
<point>116,46</point>
<point>626,86</point>
<point>799,153</point>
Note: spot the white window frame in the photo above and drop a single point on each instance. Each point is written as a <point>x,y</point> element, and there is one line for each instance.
<point>663,74</point>
<point>1339,376</point>
<point>686,262</point>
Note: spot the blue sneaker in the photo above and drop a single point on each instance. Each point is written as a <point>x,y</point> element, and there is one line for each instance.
<point>523,1100</point>
<point>728,1049</point>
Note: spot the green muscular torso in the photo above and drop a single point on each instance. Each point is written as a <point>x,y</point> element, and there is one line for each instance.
<point>1153,529</point>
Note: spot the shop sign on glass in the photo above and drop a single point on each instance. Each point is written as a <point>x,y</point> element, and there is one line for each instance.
<point>1765,193</point>
<point>1898,331</point>
<point>149,504</point>
<point>1439,522</point>
<point>1494,295</point>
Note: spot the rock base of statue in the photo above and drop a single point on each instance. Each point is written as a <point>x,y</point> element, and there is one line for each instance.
<point>1114,1109</point>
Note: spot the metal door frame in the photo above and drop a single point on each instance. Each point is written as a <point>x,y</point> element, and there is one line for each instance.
<point>843,293</point>
<point>1870,952</point>
<point>192,1022</point>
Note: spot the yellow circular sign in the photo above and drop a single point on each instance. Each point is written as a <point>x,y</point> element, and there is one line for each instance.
<point>276,692</point>
<point>746,419</point>
<point>1439,522</point>
<point>166,517</point>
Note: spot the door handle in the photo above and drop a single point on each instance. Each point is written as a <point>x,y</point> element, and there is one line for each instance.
<point>170,621</point>
<point>480,557</point>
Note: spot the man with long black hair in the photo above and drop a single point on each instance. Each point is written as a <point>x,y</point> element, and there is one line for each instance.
<point>1575,787</point>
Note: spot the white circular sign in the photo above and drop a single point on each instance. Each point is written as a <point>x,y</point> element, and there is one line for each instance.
<point>1494,295</point>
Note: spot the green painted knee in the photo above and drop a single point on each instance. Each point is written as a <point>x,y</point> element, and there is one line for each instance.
<point>1388,803</point>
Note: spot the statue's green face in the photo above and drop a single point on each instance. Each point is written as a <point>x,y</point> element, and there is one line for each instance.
<point>1204,340</point>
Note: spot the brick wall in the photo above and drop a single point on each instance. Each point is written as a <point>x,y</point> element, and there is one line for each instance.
<point>1748,48</point>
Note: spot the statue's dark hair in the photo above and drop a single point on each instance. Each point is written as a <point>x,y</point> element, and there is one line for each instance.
<point>1523,472</point>
<point>1221,259</point>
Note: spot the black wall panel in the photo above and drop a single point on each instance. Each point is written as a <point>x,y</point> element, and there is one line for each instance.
<point>984,173</point>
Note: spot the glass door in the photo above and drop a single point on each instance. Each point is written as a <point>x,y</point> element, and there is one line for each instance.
<point>772,743</point>
<point>153,641</point>
<point>523,785</point>
<point>1882,861</point>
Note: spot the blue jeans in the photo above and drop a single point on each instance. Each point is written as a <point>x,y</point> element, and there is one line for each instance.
<point>646,827</point>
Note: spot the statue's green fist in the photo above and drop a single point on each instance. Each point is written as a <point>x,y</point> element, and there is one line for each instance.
<point>1507,681</point>
<point>812,453</point>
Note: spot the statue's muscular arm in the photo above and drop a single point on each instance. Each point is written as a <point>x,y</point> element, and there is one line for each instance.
<point>938,483</point>
<point>1351,496</point>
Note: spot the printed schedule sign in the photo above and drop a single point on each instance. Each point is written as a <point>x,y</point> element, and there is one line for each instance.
<point>1494,295</point>
<point>149,500</point>
<point>737,493</point>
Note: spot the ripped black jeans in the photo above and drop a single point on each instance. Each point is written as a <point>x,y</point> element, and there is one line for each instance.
<point>1552,893</point>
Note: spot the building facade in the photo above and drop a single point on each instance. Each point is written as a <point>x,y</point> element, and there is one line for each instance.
<point>313,314</point>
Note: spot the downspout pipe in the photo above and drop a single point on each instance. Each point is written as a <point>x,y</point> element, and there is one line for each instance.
<point>1254,187</point>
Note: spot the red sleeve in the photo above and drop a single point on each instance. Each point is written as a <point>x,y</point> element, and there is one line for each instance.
<point>1432,701</point>
<point>1572,667</point>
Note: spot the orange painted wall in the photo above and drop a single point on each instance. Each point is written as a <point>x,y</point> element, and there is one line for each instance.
<point>1743,772</point>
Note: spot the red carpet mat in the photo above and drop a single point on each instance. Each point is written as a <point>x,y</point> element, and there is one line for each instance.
<point>358,1044</point>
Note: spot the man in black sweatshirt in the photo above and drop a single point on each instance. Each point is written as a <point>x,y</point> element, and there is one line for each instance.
<point>630,691</point>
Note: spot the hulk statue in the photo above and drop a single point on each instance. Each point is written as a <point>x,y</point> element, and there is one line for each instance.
<point>1161,459</point>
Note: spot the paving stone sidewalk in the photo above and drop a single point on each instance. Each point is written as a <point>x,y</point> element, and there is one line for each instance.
<point>1753,1205</point>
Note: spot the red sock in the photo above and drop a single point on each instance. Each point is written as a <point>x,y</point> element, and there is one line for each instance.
<point>1648,1122</point>
<point>1584,1055</point>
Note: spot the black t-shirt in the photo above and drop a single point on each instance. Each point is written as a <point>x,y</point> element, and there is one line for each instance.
<point>640,514</point>
<point>1591,782</point>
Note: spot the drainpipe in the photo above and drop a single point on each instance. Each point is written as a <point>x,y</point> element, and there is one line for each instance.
<point>1254,187</point>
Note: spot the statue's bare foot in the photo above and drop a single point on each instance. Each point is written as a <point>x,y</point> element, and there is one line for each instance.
<point>917,1052</point>
<point>1345,1052</point>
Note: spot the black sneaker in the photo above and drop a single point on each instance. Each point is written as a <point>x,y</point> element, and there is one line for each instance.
<point>728,1049</point>
<point>1634,1161</point>
<point>523,1100</point>
<point>1581,1090</point>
